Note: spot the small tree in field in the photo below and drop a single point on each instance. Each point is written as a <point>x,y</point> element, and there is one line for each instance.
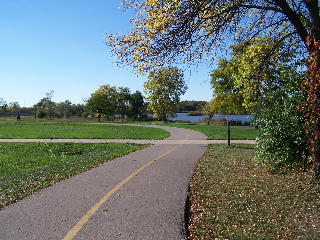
<point>137,108</point>
<point>64,109</point>
<point>103,102</point>
<point>45,107</point>
<point>209,110</point>
<point>3,105</point>
<point>14,107</point>
<point>49,103</point>
<point>163,89</point>
<point>123,99</point>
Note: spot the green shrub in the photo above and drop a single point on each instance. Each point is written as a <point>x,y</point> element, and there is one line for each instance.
<point>41,114</point>
<point>281,141</point>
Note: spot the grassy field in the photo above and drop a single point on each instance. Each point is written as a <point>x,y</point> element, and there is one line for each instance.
<point>69,128</point>
<point>218,131</point>
<point>28,167</point>
<point>233,198</point>
<point>77,130</point>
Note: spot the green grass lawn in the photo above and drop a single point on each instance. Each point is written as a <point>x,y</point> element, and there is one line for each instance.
<point>78,130</point>
<point>219,132</point>
<point>28,167</point>
<point>233,198</point>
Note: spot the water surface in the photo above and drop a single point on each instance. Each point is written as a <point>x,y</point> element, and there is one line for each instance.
<point>187,118</point>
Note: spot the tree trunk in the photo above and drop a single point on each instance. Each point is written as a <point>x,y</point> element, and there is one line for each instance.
<point>314,12</point>
<point>313,101</point>
<point>316,151</point>
<point>316,110</point>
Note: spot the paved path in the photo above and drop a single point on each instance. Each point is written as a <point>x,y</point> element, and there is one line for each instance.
<point>138,196</point>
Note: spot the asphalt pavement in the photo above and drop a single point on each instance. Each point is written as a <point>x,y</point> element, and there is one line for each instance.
<point>138,196</point>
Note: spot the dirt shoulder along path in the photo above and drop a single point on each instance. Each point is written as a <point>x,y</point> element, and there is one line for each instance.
<point>138,196</point>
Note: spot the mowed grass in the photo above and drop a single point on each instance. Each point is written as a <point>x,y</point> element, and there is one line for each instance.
<point>27,167</point>
<point>219,132</point>
<point>233,198</point>
<point>78,130</point>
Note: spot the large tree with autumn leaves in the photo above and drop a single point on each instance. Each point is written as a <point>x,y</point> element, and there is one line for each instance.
<point>166,31</point>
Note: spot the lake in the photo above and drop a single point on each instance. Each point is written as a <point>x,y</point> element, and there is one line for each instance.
<point>185,117</point>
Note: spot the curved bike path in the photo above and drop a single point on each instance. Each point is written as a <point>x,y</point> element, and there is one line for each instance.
<point>138,196</point>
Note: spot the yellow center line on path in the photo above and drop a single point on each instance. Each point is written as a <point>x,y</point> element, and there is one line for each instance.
<point>73,231</point>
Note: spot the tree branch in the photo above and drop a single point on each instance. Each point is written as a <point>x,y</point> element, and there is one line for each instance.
<point>261,8</point>
<point>294,19</point>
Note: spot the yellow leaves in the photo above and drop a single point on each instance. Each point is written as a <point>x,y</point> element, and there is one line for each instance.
<point>111,40</point>
<point>152,2</point>
<point>153,19</point>
<point>136,58</point>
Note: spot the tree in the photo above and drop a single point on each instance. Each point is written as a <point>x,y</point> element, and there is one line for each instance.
<point>45,107</point>
<point>3,105</point>
<point>188,106</point>
<point>282,142</point>
<point>209,110</point>
<point>270,90</point>
<point>64,109</point>
<point>49,103</point>
<point>241,82</point>
<point>163,89</point>
<point>40,108</point>
<point>78,110</point>
<point>137,106</point>
<point>227,97</point>
<point>311,86</point>
<point>223,104</point>
<point>123,99</point>
<point>257,73</point>
<point>14,107</point>
<point>103,102</point>
<point>165,31</point>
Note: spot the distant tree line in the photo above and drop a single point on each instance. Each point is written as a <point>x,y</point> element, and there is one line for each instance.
<point>47,108</point>
<point>12,108</point>
<point>110,102</point>
<point>163,90</point>
<point>8,107</point>
<point>190,106</point>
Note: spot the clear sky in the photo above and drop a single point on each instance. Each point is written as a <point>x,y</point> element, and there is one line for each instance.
<point>60,45</point>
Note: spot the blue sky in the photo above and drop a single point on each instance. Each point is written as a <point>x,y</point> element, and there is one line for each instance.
<point>59,45</point>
